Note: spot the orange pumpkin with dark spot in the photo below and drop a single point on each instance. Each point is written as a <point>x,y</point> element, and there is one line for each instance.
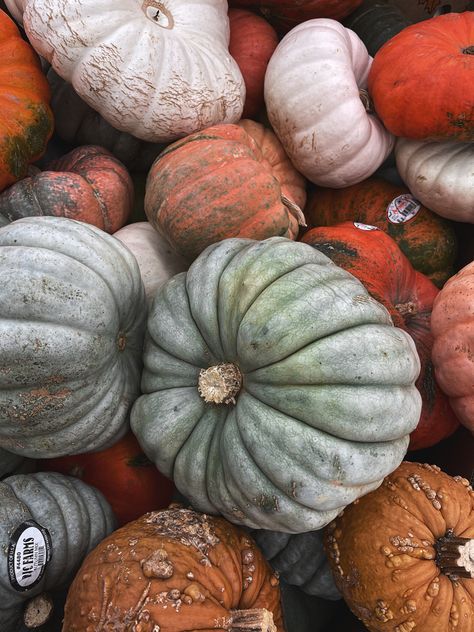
<point>218,183</point>
<point>26,121</point>
<point>175,571</point>
<point>88,184</point>
<point>426,239</point>
<point>376,260</point>
<point>402,555</point>
<point>127,478</point>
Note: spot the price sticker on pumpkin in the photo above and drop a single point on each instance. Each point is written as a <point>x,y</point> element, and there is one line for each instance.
<point>361,226</point>
<point>29,552</point>
<point>402,209</point>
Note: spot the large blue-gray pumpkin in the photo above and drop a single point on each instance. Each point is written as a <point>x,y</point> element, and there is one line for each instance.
<point>72,320</point>
<point>48,524</point>
<point>276,390</point>
<point>14,464</point>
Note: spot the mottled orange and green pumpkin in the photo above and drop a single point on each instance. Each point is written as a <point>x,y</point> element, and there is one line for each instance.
<point>402,556</point>
<point>26,121</point>
<point>426,239</point>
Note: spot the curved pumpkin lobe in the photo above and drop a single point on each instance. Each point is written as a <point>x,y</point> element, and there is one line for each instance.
<point>219,384</point>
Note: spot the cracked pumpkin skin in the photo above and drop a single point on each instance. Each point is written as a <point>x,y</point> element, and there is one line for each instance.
<point>174,571</point>
<point>384,551</point>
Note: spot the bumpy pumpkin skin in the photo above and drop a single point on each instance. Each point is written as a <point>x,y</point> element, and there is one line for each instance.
<point>276,311</point>
<point>72,320</point>
<point>26,121</point>
<point>77,518</point>
<point>431,62</point>
<point>376,260</point>
<point>173,570</point>
<point>426,239</point>
<point>382,550</point>
<point>214,185</point>
<point>88,184</point>
<point>452,323</point>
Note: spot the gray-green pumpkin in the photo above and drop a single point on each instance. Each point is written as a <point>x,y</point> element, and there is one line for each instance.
<point>276,390</point>
<point>14,464</point>
<point>48,524</point>
<point>72,320</point>
<point>300,560</point>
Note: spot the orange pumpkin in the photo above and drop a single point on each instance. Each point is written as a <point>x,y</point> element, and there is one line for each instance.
<point>402,555</point>
<point>26,121</point>
<point>252,42</point>
<point>425,238</point>
<point>376,260</point>
<point>175,571</point>
<point>127,478</point>
<point>217,183</point>
<point>452,323</point>
<point>421,80</point>
<point>88,184</point>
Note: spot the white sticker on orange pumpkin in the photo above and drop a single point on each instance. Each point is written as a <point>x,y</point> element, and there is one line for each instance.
<point>402,208</point>
<point>361,226</point>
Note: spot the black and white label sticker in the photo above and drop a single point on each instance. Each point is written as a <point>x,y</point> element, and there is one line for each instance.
<point>29,552</point>
<point>402,208</point>
<point>361,226</point>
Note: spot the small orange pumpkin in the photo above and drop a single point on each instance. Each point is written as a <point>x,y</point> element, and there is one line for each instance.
<point>26,121</point>
<point>374,258</point>
<point>218,183</point>
<point>175,571</point>
<point>402,556</point>
<point>426,239</point>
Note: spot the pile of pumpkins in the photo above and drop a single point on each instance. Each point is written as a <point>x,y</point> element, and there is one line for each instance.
<point>236,315</point>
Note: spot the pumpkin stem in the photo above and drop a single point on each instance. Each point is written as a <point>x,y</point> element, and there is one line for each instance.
<point>294,210</point>
<point>219,384</point>
<point>158,13</point>
<point>455,556</point>
<point>469,50</point>
<point>256,620</point>
<point>38,611</point>
<point>366,100</point>
<point>406,309</point>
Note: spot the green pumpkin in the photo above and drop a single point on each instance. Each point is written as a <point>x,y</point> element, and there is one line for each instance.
<point>14,464</point>
<point>72,321</point>
<point>64,516</point>
<point>276,390</point>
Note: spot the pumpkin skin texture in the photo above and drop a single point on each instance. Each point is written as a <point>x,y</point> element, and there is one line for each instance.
<point>252,42</point>
<point>128,480</point>
<point>300,560</point>
<point>375,259</point>
<point>175,554</point>
<point>452,324</point>
<point>217,184</point>
<point>76,516</point>
<point>72,321</point>
<point>27,122</point>
<point>179,80</point>
<point>87,184</point>
<point>427,240</point>
<point>78,124</point>
<point>395,575</point>
<point>275,313</point>
<point>440,175</point>
<point>156,259</point>
<point>312,95</point>
<point>430,62</point>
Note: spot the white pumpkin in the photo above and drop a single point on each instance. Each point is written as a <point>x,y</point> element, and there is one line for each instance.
<point>314,104</point>
<point>440,175</point>
<point>156,259</point>
<point>157,69</point>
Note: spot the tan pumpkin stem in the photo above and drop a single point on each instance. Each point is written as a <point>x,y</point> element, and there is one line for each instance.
<point>257,620</point>
<point>406,309</point>
<point>38,611</point>
<point>160,9</point>
<point>294,210</point>
<point>219,384</point>
<point>455,556</point>
<point>366,100</point>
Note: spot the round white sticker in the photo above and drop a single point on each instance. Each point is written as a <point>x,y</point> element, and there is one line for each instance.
<point>402,208</point>
<point>365,226</point>
<point>28,553</point>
